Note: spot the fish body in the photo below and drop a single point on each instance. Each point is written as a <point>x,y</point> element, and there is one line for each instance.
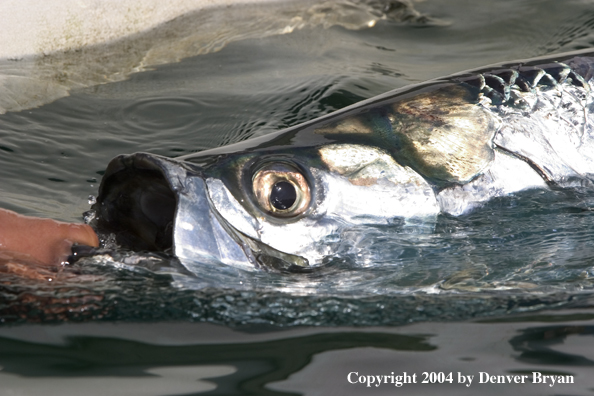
<point>444,146</point>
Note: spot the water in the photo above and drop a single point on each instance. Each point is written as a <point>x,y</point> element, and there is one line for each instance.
<point>505,289</point>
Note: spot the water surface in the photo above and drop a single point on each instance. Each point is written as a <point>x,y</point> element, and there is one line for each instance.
<point>517,255</point>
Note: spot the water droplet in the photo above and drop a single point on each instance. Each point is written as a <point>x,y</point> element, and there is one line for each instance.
<point>88,216</point>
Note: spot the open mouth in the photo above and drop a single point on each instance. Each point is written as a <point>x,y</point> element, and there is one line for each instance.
<point>152,203</point>
<point>136,204</point>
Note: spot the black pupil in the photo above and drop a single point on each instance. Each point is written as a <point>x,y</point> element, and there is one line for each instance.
<point>283,195</point>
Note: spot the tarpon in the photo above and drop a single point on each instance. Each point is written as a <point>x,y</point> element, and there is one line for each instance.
<point>444,146</point>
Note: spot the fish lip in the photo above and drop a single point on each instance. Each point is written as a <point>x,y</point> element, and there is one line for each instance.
<point>199,233</point>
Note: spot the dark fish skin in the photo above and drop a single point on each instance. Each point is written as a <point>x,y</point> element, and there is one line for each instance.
<point>402,121</point>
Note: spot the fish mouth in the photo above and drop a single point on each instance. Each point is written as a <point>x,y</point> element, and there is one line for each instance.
<point>157,204</point>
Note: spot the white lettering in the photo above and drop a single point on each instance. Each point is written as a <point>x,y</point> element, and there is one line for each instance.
<point>551,380</point>
<point>483,377</point>
<point>379,380</point>
<point>565,379</point>
<point>465,379</point>
<point>349,377</point>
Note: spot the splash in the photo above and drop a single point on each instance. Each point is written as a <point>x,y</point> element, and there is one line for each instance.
<point>522,253</point>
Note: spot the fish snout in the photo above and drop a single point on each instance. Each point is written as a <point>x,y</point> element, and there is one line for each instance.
<point>153,203</point>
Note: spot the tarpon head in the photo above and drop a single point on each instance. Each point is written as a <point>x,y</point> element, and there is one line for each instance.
<point>256,209</point>
<point>272,201</point>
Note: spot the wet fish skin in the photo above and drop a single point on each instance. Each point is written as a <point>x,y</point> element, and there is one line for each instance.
<point>444,146</point>
<point>404,120</point>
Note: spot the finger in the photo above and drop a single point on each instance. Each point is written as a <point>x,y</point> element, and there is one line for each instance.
<point>81,234</point>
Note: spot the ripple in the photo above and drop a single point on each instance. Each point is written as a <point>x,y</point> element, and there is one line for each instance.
<point>572,34</point>
<point>162,114</point>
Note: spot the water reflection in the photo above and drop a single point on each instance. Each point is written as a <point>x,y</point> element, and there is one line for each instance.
<point>545,345</point>
<point>184,358</point>
<point>242,368</point>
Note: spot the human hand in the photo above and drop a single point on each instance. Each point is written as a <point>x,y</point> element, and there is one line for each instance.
<point>43,241</point>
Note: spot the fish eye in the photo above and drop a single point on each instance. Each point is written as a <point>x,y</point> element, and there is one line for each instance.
<point>281,190</point>
<point>283,195</point>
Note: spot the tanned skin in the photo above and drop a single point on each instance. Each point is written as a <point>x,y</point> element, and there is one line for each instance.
<point>41,241</point>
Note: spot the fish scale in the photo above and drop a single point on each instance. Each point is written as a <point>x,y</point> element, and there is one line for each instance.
<point>498,84</point>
